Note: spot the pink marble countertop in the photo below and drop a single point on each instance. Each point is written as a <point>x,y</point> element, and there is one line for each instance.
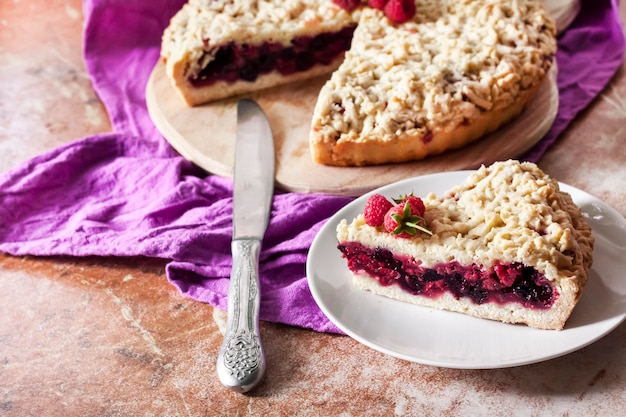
<point>109,337</point>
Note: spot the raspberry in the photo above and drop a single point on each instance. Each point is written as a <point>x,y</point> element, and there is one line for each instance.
<point>403,220</point>
<point>400,10</point>
<point>417,205</point>
<point>391,225</point>
<point>375,209</point>
<point>377,4</point>
<point>347,4</point>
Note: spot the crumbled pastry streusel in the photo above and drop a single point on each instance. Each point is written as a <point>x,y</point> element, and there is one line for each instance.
<point>458,70</point>
<point>507,244</point>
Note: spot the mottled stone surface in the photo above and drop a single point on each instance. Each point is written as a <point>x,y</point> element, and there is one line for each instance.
<point>111,337</point>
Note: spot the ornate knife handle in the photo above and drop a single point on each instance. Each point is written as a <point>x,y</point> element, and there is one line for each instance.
<point>241,360</point>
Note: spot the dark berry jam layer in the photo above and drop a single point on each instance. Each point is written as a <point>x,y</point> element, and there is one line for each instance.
<point>501,284</point>
<point>246,62</point>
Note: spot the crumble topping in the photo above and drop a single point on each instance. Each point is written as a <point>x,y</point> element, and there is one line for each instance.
<point>202,26</point>
<point>452,62</point>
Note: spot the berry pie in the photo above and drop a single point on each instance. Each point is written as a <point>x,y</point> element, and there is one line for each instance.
<point>505,245</point>
<point>418,78</point>
<point>215,49</point>
<point>455,72</point>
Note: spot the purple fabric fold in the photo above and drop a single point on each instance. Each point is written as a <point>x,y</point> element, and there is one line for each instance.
<point>128,193</point>
<point>589,52</point>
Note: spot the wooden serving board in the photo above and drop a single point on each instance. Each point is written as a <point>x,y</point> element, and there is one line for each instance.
<point>206,136</point>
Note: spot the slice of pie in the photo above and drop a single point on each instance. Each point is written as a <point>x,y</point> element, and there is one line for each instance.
<point>215,49</point>
<point>454,73</point>
<point>505,245</point>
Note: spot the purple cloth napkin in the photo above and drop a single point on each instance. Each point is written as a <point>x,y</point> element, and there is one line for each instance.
<point>128,193</point>
<point>589,53</point>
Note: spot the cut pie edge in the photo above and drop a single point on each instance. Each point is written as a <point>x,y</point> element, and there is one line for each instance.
<point>195,96</point>
<point>511,313</point>
<point>202,28</point>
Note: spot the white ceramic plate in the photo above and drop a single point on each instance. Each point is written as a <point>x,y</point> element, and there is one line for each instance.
<point>454,340</point>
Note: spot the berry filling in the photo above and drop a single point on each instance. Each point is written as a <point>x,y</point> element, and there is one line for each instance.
<point>501,284</point>
<point>234,62</point>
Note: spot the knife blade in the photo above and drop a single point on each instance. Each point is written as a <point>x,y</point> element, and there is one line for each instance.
<point>241,359</point>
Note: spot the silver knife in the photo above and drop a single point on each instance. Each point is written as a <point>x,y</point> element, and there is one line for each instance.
<point>241,359</point>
